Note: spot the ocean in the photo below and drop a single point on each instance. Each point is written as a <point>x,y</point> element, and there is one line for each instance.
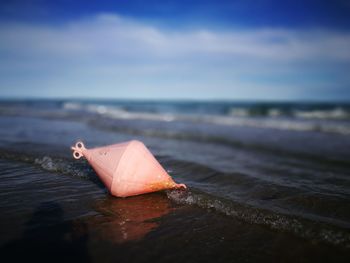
<point>267,182</point>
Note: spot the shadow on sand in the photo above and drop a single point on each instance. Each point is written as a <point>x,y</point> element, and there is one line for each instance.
<point>48,238</point>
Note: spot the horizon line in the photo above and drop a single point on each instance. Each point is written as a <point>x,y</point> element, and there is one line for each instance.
<point>3,99</point>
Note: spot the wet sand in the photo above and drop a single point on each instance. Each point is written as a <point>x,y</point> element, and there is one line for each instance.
<point>53,217</point>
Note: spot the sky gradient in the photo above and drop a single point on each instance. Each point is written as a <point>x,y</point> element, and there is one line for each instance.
<point>232,50</point>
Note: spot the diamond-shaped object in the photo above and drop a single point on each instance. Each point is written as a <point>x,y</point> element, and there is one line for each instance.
<point>127,168</point>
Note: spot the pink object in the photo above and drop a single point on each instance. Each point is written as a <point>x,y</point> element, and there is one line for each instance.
<point>127,168</point>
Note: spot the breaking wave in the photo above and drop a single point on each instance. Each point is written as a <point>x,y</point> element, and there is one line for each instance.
<point>328,121</point>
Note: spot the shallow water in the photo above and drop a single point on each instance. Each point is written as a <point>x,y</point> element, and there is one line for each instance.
<point>262,187</point>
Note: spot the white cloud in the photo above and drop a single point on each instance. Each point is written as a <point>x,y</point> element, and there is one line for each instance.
<point>120,49</point>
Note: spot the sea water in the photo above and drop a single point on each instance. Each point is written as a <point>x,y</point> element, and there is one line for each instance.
<point>267,181</point>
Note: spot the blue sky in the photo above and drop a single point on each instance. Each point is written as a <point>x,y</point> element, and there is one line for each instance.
<point>250,50</point>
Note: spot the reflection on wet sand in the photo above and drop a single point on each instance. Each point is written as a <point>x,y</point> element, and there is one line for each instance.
<point>128,219</point>
<point>49,237</point>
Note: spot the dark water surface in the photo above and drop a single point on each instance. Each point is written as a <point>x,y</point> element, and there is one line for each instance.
<point>267,182</point>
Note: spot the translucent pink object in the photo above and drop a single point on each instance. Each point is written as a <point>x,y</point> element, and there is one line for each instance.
<point>127,168</point>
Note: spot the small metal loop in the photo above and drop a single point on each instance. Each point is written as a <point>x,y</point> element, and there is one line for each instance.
<point>78,150</point>
<point>77,155</point>
<point>80,145</point>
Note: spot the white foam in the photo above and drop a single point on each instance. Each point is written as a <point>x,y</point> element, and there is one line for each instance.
<point>239,112</point>
<point>72,106</point>
<point>274,112</point>
<point>307,121</point>
<point>337,113</point>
